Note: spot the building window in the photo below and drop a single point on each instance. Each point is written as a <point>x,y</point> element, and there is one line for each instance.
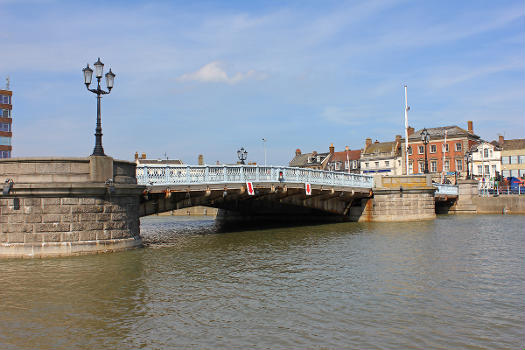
<point>420,167</point>
<point>447,165</point>
<point>506,173</point>
<point>521,159</point>
<point>513,159</point>
<point>487,169</point>
<point>387,163</point>
<point>377,164</point>
<point>421,149</point>
<point>434,166</point>
<point>490,153</point>
<point>479,170</point>
<point>458,146</point>
<point>5,154</point>
<point>433,148</point>
<point>399,163</point>
<point>459,164</point>
<point>5,99</point>
<point>409,150</point>
<point>366,165</point>
<point>5,113</point>
<point>5,141</point>
<point>410,167</point>
<point>505,160</point>
<point>445,147</point>
<point>5,127</point>
<point>486,153</point>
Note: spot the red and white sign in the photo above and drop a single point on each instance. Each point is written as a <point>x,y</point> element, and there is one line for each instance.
<point>249,187</point>
<point>308,189</point>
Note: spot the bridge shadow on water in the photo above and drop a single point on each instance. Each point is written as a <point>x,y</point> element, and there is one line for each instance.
<point>166,229</point>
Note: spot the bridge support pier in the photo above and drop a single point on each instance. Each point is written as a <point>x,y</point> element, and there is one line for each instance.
<point>68,206</point>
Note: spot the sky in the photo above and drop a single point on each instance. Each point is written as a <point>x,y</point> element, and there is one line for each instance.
<point>209,77</point>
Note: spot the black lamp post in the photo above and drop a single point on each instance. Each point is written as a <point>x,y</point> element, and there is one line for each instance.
<point>242,154</point>
<point>110,77</point>
<point>468,160</point>
<point>425,137</point>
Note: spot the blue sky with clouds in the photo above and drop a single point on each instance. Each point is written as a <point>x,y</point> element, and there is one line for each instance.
<point>209,77</point>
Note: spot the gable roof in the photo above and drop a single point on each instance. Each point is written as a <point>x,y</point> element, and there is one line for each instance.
<point>516,144</point>
<point>380,147</point>
<point>439,133</point>
<point>341,156</point>
<point>299,160</point>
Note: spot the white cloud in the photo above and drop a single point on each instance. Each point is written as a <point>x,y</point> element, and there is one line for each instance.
<point>214,73</point>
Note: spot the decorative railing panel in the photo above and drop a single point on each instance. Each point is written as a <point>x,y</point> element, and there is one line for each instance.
<point>452,190</point>
<point>216,174</point>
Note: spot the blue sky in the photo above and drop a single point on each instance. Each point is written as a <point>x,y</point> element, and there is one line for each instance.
<point>207,77</point>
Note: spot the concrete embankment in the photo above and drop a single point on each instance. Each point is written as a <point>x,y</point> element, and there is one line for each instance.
<point>503,204</point>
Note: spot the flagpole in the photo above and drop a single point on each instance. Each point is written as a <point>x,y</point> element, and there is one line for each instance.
<point>406,130</point>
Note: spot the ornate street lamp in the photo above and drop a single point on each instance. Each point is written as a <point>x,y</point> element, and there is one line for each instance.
<point>425,137</point>
<point>468,160</point>
<point>242,154</point>
<point>110,78</point>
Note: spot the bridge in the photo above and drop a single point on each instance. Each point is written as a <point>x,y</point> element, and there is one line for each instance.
<point>67,206</point>
<point>274,192</point>
<point>252,191</point>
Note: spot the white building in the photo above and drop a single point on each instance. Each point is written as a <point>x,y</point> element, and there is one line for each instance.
<point>486,160</point>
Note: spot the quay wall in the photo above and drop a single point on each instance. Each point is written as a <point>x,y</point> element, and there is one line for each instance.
<point>68,206</point>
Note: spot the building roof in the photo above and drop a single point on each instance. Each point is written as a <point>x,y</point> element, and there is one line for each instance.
<point>341,156</point>
<point>380,147</point>
<point>494,145</point>
<point>439,133</point>
<point>300,160</point>
<point>516,144</point>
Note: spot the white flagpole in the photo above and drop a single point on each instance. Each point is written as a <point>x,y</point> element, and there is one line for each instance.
<point>406,129</point>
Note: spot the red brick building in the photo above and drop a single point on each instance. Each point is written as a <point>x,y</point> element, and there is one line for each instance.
<point>458,142</point>
<point>6,122</point>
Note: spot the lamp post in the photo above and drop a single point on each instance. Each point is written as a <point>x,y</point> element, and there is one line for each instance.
<point>425,137</point>
<point>110,78</point>
<point>468,160</point>
<point>242,154</point>
<point>264,145</point>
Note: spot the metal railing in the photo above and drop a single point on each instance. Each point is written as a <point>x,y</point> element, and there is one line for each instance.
<point>163,174</point>
<point>497,190</point>
<point>445,189</point>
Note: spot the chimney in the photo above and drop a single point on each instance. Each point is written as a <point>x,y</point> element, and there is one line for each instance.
<point>398,138</point>
<point>297,152</point>
<point>136,155</point>
<point>368,142</point>
<point>377,141</point>
<point>332,148</point>
<point>347,148</point>
<point>501,140</point>
<point>143,156</point>
<point>201,159</point>
<point>470,127</point>
<point>314,153</point>
<point>410,130</point>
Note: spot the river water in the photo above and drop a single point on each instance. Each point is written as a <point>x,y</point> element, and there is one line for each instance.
<point>456,282</point>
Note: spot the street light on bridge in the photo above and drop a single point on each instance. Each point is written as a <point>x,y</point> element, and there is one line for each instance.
<point>110,77</point>
<point>468,159</point>
<point>242,154</point>
<point>425,137</point>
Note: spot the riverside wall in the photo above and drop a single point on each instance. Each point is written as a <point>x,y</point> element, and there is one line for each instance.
<point>68,206</point>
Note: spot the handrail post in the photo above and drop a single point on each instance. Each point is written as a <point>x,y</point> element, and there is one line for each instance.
<point>207,174</point>
<point>224,173</point>
<point>167,173</point>
<point>257,171</point>
<point>241,173</point>
<point>145,174</point>
<point>188,178</point>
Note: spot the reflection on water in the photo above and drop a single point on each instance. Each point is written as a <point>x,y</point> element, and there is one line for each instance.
<point>455,282</point>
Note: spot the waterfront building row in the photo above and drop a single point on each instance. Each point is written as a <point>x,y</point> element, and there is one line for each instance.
<point>445,153</point>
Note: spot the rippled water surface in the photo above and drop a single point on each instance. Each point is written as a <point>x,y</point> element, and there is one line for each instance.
<point>453,283</point>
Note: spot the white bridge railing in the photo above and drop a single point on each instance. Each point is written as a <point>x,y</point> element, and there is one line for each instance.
<point>216,174</point>
<point>447,189</point>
